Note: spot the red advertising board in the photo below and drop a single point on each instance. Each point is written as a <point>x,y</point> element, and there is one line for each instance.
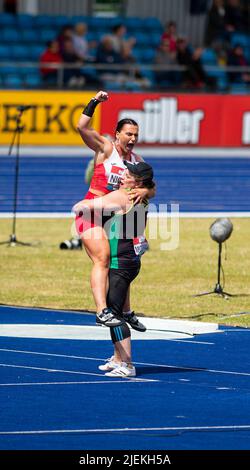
<point>182,119</point>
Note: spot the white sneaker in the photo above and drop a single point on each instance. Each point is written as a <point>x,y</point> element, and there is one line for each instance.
<point>122,371</point>
<point>107,318</point>
<point>110,365</point>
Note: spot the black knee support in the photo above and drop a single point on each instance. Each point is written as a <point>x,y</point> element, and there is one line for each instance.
<point>118,333</point>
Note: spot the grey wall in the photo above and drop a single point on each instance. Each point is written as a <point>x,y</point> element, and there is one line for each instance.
<point>58,7</point>
<point>177,10</point>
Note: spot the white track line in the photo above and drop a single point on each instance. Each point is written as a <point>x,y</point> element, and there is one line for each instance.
<point>61,383</point>
<point>167,366</point>
<point>182,215</point>
<point>114,430</point>
<point>148,151</point>
<point>69,372</point>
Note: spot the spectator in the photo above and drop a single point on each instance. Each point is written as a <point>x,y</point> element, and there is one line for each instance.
<point>50,55</point>
<point>170,34</point>
<point>81,45</point>
<point>234,16</point>
<point>236,58</point>
<point>194,76</point>
<point>118,41</point>
<point>165,56</point>
<point>72,76</point>
<point>10,6</point>
<point>65,33</point>
<point>107,55</point>
<point>215,26</point>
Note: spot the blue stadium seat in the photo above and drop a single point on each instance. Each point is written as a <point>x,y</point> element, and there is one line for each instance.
<point>142,39</point>
<point>30,35</point>
<point>114,86</point>
<point>10,70</point>
<point>96,23</point>
<point>239,89</point>
<point>44,21</point>
<point>133,23</point>
<point>155,39</point>
<point>132,86</point>
<point>35,50</point>
<point>7,20</point>
<point>138,54</point>
<point>153,24</point>
<point>25,20</point>
<point>209,57</point>
<point>5,52</point>
<point>32,80</point>
<point>240,38</point>
<point>13,81</point>
<point>149,74</point>
<point>247,53</point>
<point>91,36</point>
<point>20,52</point>
<point>90,72</point>
<point>221,78</point>
<point>48,35</point>
<point>11,35</point>
<point>62,20</point>
<point>98,35</point>
<point>148,55</point>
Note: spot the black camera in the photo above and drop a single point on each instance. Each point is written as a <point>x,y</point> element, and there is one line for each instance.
<point>72,244</point>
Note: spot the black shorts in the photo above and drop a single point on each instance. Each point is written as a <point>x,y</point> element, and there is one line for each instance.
<point>119,282</point>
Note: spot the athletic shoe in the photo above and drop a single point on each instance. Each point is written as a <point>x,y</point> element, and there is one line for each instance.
<point>98,322</point>
<point>107,318</point>
<point>110,365</point>
<point>122,371</point>
<point>133,321</point>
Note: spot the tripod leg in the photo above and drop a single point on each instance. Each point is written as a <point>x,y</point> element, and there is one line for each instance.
<point>204,293</point>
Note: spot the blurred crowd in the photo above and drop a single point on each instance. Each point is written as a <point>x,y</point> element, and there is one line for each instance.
<point>224,18</point>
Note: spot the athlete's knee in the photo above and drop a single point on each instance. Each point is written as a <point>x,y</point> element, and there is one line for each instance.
<point>101,260</point>
<point>119,333</point>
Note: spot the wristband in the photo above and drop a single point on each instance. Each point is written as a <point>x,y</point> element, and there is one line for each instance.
<point>90,108</point>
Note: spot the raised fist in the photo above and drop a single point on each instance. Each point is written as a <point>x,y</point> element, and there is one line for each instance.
<point>101,96</point>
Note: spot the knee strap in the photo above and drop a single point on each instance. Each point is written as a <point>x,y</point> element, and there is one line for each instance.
<point>118,333</point>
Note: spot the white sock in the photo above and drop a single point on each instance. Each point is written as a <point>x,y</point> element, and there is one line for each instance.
<point>128,312</point>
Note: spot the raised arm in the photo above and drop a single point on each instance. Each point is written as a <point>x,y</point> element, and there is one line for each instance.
<point>90,136</point>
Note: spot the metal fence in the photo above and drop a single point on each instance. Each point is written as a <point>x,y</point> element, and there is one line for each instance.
<point>123,77</point>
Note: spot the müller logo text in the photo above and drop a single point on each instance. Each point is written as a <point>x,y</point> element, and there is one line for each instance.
<point>160,121</point>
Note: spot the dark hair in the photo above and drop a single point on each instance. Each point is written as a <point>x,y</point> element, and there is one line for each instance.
<point>117,27</point>
<point>122,123</point>
<point>149,183</point>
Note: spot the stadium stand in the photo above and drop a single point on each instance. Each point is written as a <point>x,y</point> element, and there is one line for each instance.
<point>25,37</point>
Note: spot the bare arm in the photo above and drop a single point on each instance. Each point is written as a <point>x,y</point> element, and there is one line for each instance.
<point>117,200</point>
<point>90,136</point>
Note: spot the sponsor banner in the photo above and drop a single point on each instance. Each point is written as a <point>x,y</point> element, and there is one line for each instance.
<point>182,120</point>
<point>174,120</point>
<point>51,120</point>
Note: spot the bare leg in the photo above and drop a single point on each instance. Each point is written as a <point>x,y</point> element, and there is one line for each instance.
<point>97,248</point>
<point>122,351</point>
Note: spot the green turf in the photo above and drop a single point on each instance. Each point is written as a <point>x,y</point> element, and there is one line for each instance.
<point>45,276</point>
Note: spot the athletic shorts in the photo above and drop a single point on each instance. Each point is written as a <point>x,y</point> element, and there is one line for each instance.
<point>119,282</point>
<point>90,219</point>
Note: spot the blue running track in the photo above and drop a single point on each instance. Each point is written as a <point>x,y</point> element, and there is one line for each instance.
<point>54,184</point>
<point>190,393</point>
